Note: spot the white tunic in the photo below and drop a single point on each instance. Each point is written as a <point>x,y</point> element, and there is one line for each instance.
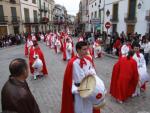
<point>82,105</point>
<point>68,50</point>
<point>142,70</point>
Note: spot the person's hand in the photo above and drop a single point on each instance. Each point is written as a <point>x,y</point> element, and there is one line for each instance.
<point>90,72</point>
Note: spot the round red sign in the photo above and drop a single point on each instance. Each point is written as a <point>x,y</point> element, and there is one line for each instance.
<point>107,25</point>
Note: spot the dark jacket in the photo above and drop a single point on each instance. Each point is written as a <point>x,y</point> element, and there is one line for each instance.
<point>17,97</point>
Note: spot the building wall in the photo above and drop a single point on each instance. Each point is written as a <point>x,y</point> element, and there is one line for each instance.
<point>141,25</point>
<point>31,6</point>
<point>7,12</point>
<point>95,6</point>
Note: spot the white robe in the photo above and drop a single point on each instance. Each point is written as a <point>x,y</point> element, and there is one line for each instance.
<point>68,50</point>
<point>142,70</point>
<point>58,45</point>
<point>81,105</point>
<point>97,49</point>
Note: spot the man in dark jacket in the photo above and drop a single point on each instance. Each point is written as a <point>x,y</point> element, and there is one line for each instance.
<point>16,95</point>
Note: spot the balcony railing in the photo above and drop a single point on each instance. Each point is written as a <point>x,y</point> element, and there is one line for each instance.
<point>129,19</point>
<point>15,19</point>
<point>43,9</point>
<point>114,19</point>
<point>30,21</point>
<point>3,19</point>
<point>147,17</point>
<point>12,1</point>
<point>44,20</point>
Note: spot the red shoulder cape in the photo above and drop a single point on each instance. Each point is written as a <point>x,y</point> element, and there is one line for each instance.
<point>67,105</point>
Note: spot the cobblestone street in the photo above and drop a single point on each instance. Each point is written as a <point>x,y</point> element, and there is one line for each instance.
<point>47,91</point>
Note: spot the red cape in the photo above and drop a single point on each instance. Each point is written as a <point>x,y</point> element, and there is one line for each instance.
<point>124,79</point>
<point>31,59</point>
<point>67,105</point>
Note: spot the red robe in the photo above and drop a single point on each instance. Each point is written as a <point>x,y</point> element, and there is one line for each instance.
<point>124,78</point>
<point>67,105</point>
<point>31,59</point>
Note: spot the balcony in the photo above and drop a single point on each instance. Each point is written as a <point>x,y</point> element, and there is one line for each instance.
<point>147,17</point>
<point>44,20</point>
<point>43,9</point>
<point>130,20</point>
<point>15,19</point>
<point>3,20</point>
<point>12,1</point>
<point>30,21</point>
<point>114,19</point>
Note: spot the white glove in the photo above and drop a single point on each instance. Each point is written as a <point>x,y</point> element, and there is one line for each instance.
<point>74,89</point>
<point>90,72</point>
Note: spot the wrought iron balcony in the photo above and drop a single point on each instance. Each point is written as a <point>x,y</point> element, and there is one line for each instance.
<point>147,17</point>
<point>12,1</point>
<point>31,21</point>
<point>114,19</point>
<point>43,9</point>
<point>129,19</point>
<point>44,20</point>
<point>3,19</point>
<point>15,19</point>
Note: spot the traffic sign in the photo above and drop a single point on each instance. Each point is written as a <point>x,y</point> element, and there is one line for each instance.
<point>107,25</point>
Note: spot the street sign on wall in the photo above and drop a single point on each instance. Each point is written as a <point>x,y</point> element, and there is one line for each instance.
<point>95,21</point>
<point>107,25</point>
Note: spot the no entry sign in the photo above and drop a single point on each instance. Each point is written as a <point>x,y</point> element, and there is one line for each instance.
<point>107,25</point>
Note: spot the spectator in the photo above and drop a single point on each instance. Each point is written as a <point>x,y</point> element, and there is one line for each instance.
<point>16,95</point>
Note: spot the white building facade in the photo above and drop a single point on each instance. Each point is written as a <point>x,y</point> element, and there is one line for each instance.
<point>129,16</point>
<point>45,14</point>
<point>96,15</point>
<point>29,14</point>
<point>60,16</point>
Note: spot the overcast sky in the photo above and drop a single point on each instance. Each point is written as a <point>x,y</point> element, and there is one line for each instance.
<point>72,6</point>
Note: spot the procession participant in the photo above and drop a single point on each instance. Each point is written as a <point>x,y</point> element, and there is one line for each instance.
<point>126,47</point>
<point>68,52</point>
<point>80,39</point>
<point>124,78</point>
<point>25,48</point>
<point>35,50</point>
<point>28,44</point>
<point>52,41</point>
<point>16,96</point>
<point>77,68</point>
<point>117,46</point>
<point>58,45</point>
<point>97,50</point>
<point>142,69</point>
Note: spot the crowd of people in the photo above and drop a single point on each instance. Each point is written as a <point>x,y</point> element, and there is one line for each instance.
<point>9,40</point>
<point>83,91</point>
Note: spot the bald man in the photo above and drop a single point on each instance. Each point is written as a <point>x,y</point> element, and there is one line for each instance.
<point>16,95</point>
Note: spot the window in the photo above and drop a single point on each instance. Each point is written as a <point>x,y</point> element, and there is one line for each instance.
<point>99,14</point>
<point>35,15</point>
<point>95,16</point>
<point>115,11</point>
<point>91,15</point>
<point>34,1</point>
<point>26,15</point>
<point>1,13</point>
<point>14,14</point>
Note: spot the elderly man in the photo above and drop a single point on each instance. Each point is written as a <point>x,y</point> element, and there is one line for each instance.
<point>16,95</point>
